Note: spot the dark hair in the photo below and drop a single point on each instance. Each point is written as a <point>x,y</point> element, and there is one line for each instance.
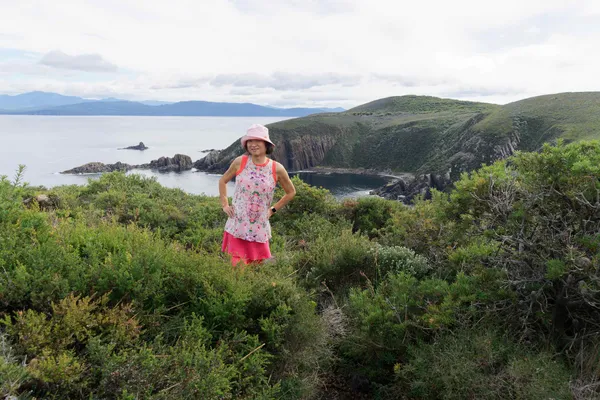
<point>270,148</point>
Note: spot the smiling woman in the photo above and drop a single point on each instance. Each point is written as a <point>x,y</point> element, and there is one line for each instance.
<point>247,231</point>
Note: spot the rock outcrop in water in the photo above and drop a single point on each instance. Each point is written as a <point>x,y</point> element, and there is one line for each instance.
<point>140,146</point>
<point>177,163</point>
<point>406,189</point>
<point>98,167</point>
<point>209,160</point>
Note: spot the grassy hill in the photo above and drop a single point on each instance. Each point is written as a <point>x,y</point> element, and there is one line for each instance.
<point>431,138</point>
<point>397,133</point>
<point>421,134</point>
<point>573,116</point>
<point>420,105</point>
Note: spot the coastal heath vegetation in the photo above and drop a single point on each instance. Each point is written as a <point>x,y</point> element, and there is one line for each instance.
<point>118,289</point>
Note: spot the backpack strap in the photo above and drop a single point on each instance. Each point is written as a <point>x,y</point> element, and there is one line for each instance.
<point>242,165</point>
<point>274,171</point>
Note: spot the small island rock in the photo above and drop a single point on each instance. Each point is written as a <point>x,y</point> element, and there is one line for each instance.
<point>98,167</point>
<point>178,163</point>
<point>140,146</point>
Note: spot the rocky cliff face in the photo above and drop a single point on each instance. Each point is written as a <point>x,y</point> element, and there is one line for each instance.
<point>469,151</point>
<point>304,151</point>
<point>217,161</point>
<point>210,159</point>
<point>296,150</point>
<point>178,163</point>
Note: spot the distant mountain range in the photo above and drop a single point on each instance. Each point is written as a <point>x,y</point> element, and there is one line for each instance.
<point>44,103</point>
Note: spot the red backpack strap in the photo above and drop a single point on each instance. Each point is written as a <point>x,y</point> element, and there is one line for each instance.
<point>242,165</point>
<point>274,171</point>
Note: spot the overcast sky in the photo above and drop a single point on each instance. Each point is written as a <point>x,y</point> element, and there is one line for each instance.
<point>300,52</point>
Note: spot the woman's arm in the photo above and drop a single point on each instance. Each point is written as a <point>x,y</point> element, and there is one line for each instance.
<point>227,176</point>
<point>288,187</point>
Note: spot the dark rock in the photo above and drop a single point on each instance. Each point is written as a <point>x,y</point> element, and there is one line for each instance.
<point>98,167</point>
<point>45,202</point>
<point>360,383</point>
<point>583,262</point>
<point>406,189</point>
<point>140,146</point>
<point>178,163</point>
<point>208,160</point>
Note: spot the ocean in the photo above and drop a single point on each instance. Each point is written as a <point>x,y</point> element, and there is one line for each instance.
<point>47,145</point>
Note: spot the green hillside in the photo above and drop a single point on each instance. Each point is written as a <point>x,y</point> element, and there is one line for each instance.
<point>429,136</point>
<point>574,116</point>
<point>396,133</point>
<point>420,104</point>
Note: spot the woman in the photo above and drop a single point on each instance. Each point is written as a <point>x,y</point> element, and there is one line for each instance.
<point>247,231</point>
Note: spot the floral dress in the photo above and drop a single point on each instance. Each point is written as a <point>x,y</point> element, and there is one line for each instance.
<point>247,234</point>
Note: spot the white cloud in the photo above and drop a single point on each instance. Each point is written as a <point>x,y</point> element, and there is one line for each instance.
<point>284,80</point>
<point>303,52</point>
<point>81,62</point>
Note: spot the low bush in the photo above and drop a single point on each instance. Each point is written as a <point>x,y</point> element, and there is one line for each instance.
<point>119,290</point>
<point>396,259</point>
<point>370,215</point>
<point>481,364</point>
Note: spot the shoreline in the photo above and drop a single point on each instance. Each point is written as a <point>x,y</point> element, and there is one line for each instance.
<point>356,171</point>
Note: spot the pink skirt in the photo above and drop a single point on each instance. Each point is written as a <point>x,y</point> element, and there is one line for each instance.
<point>245,251</point>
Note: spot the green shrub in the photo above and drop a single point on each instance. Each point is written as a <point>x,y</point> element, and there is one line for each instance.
<point>122,292</point>
<point>338,261</point>
<point>539,375</point>
<point>540,212</point>
<point>425,228</point>
<point>473,256</point>
<point>300,232</point>
<point>308,200</point>
<point>195,221</point>
<point>396,259</point>
<point>478,363</point>
<point>401,310</point>
<point>12,372</point>
<point>190,368</point>
<point>370,214</point>
<point>48,256</point>
<point>51,344</point>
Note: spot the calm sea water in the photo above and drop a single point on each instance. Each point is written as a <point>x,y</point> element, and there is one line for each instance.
<point>50,144</point>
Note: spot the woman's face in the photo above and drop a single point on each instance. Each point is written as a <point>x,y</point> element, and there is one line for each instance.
<point>256,147</point>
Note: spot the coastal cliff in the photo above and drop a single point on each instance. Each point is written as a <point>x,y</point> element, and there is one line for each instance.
<point>431,139</point>
<point>312,143</point>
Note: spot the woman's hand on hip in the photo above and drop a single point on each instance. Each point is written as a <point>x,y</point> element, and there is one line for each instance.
<point>229,211</point>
